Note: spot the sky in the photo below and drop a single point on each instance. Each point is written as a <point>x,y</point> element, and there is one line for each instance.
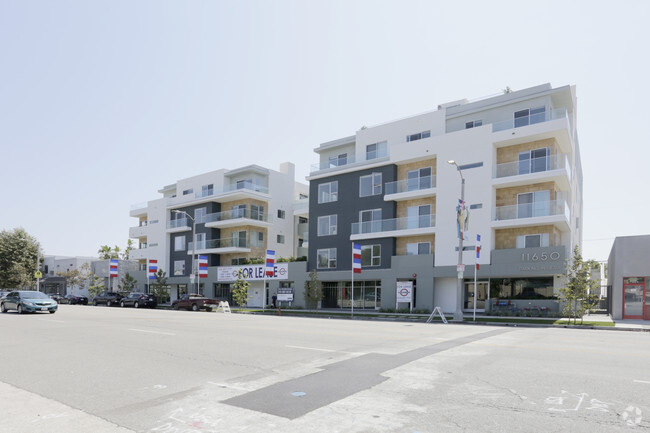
<point>104,102</point>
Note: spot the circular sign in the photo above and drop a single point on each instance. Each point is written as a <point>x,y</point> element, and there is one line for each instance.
<point>282,271</point>
<point>404,292</point>
<point>38,274</point>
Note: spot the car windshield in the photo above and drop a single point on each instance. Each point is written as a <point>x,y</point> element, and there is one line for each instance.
<point>33,295</point>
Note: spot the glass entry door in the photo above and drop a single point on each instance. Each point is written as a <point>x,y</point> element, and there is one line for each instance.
<point>634,289</point>
<point>482,292</point>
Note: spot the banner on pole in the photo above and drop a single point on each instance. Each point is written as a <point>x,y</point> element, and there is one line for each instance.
<point>356,258</point>
<point>113,268</point>
<point>270,262</point>
<point>203,266</point>
<point>153,269</point>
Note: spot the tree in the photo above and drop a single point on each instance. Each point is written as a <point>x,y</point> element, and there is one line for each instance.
<point>18,255</point>
<point>578,292</point>
<point>159,288</point>
<point>106,253</point>
<point>240,290</point>
<point>95,286</point>
<point>313,290</point>
<point>127,284</point>
<point>128,249</point>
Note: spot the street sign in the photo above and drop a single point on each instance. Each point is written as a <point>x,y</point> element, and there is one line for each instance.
<point>404,291</point>
<point>38,274</point>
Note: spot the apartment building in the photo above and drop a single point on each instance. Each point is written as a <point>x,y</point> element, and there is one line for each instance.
<point>227,216</point>
<point>391,189</point>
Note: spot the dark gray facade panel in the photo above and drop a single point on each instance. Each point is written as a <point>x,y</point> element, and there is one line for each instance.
<point>210,234</point>
<point>347,209</point>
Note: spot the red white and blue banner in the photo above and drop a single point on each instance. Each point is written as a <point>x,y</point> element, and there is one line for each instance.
<point>270,262</point>
<point>356,258</point>
<point>153,269</point>
<point>478,250</point>
<point>203,266</point>
<point>113,268</point>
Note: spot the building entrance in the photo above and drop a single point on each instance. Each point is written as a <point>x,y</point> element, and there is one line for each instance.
<point>482,292</point>
<point>636,298</point>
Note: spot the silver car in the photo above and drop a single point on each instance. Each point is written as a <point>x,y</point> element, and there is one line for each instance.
<point>28,301</point>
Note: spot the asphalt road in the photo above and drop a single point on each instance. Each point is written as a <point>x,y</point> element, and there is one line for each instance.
<point>98,369</point>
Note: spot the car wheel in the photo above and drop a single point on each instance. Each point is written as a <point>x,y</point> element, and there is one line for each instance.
<point>195,307</point>
<point>94,302</point>
<point>52,311</point>
<point>122,304</point>
<point>108,303</point>
<point>3,308</point>
<point>20,309</point>
<point>136,305</point>
<point>208,308</point>
<point>175,306</point>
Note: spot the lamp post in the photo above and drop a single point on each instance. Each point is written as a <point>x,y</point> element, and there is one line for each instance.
<point>193,245</point>
<point>458,314</point>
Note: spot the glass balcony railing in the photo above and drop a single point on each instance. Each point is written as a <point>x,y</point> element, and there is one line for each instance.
<point>389,225</point>
<point>531,210</point>
<point>558,113</point>
<point>535,165</point>
<point>416,184</point>
<point>181,222</point>
<point>237,214</point>
<point>351,159</point>
<point>218,243</point>
<point>246,186</point>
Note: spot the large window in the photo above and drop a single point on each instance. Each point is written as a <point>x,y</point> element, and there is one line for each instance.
<point>328,192</point>
<point>179,243</point>
<point>370,185</point>
<point>257,212</point>
<point>533,241</point>
<point>238,239</point>
<point>370,221</point>
<point>179,267</point>
<point>418,248</point>
<point>533,161</point>
<point>529,116</point>
<point>418,216</point>
<point>200,241</point>
<point>371,255</point>
<point>327,225</point>
<point>338,160</point>
<point>238,211</point>
<point>419,178</point>
<point>327,258</point>
<point>473,124</point>
<point>199,215</point>
<point>207,190</point>
<point>257,239</point>
<point>418,136</point>
<point>534,204</point>
<point>377,150</point>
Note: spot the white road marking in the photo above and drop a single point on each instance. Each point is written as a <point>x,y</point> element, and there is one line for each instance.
<point>151,332</point>
<point>51,320</point>
<point>225,385</point>
<point>325,350</point>
<point>642,381</point>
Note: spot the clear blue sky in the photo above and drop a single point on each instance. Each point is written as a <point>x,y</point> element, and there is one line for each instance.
<point>103,102</point>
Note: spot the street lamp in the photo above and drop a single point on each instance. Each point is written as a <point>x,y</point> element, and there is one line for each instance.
<point>193,244</point>
<point>458,314</point>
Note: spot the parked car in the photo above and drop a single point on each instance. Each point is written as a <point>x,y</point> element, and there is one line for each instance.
<point>108,298</point>
<point>3,293</point>
<point>57,297</point>
<point>28,301</point>
<point>194,302</point>
<point>138,300</point>
<point>74,299</point>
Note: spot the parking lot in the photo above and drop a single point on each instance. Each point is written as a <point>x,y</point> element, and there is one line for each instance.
<point>122,369</point>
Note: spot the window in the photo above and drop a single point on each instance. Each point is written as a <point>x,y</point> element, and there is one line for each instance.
<point>377,150</point>
<point>238,261</point>
<point>280,239</point>
<point>529,116</point>
<point>418,216</point>
<point>326,258</point>
<point>535,160</point>
<point>257,212</point>
<point>188,191</point>
<point>371,255</point>
<point>179,267</point>
<point>238,211</point>
<point>200,241</point>
<point>338,160</point>
<point>534,204</point>
<point>179,243</point>
<point>532,241</point>
<point>257,239</point>
<point>281,214</point>
<point>207,190</point>
<point>238,239</point>
<point>370,185</point>
<point>327,225</point>
<point>199,215</point>
<point>418,179</point>
<point>418,248</point>
<point>418,136</point>
<point>370,221</point>
<point>245,184</point>
<point>473,124</point>
<point>328,192</point>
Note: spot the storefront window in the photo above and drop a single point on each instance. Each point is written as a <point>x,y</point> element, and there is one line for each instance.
<point>633,287</point>
<point>522,288</point>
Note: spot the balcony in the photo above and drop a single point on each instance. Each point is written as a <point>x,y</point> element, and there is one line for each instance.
<point>138,209</point>
<point>138,232</point>
<point>138,254</point>
<point>555,212</point>
<point>234,191</point>
<point>301,207</point>
<point>179,225</point>
<point>546,116</point>
<point>219,246</point>
<point>238,217</point>
<point>351,160</point>
<point>410,188</point>
<point>550,168</point>
<point>395,227</point>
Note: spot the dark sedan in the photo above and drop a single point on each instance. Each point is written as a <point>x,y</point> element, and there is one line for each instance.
<point>108,298</point>
<point>74,300</point>
<point>28,301</point>
<point>138,300</point>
